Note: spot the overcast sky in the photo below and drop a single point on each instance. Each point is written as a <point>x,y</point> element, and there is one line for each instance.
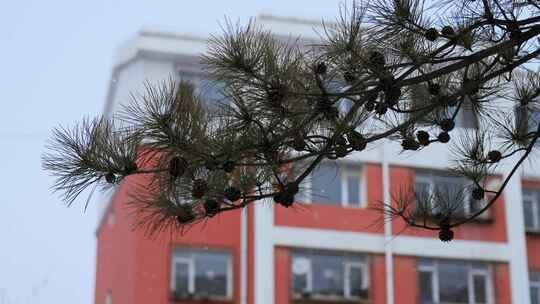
<point>55,62</point>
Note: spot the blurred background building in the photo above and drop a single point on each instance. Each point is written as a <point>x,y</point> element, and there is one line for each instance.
<point>331,249</point>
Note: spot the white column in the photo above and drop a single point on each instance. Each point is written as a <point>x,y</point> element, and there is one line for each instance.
<point>388,254</point>
<point>515,227</point>
<point>264,252</point>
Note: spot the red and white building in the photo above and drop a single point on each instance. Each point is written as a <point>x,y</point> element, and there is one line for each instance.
<point>330,249</point>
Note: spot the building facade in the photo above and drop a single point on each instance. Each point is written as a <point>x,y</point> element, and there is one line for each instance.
<point>331,248</point>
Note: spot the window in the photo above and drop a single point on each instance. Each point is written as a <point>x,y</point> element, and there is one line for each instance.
<point>334,184</point>
<point>534,278</point>
<point>456,282</point>
<point>448,192</point>
<point>327,275</point>
<point>201,273</point>
<point>528,118</point>
<point>210,90</point>
<point>466,118</point>
<point>420,98</point>
<point>531,209</point>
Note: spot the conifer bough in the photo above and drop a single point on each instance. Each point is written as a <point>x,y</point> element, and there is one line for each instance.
<point>400,70</point>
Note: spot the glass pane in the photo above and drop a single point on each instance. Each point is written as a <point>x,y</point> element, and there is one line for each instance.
<point>534,277</point>
<point>535,295</point>
<point>528,214</point>
<point>353,185</point>
<point>449,189</point>
<point>211,92</point>
<point>533,119</point>
<point>211,274</point>
<point>423,197</point>
<point>327,275</point>
<point>355,281</point>
<point>181,276</point>
<point>301,267</point>
<point>480,290</point>
<point>425,283</point>
<point>453,285</point>
<point>326,184</point>
<point>468,119</point>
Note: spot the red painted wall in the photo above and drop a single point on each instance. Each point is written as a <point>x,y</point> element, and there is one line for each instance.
<point>405,280</point>
<point>282,275</point>
<point>116,258</point>
<point>135,266</point>
<point>501,283</point>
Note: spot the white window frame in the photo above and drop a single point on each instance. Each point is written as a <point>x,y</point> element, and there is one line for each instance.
<point>486,272</point>
<point>535,284</point>
<point>523,115</point>
<point>347,277</point>
<point>347,265</point>
<point>428,178</point>
<point>190,261</point>
<point>347,170</point>
<point>309,276</point>
<point>460,118</point>
<point>534,197</point>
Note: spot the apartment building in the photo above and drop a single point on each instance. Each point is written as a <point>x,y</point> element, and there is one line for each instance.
<point>331,248</point>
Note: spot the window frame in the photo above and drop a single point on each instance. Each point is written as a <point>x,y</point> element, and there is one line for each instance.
<point>363,264</point>
<point>190,261</point>
<point>347,170</point>
<point>428,177</point>
<point>534,283</point>
<point>534,197</point>
<point>522,116</point>
<point>420,98</point>
<point>431,266</point>
<point>196,78</point>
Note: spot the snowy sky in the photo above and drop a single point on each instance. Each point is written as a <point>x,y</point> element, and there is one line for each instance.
<point>55,62</point>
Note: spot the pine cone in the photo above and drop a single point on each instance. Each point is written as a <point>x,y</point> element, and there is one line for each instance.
<point>478,194</point>
<point>228,166</point>
<point>299,144</point>
<point>110,178</point>
<point>446,234</point>
<point>232,194</point>
<point>444,137</point>
<point>494,156</point>
<point>432,34</point>
<point>199,188</point>
<point>377,59</point>
<point>448,31</point>
<point>434,88</point>
<point>410,144</point>
<point>211,207</point>
<point>392,95</point>
<point>177,167</point>
<point>422,137</point>
<point>185,214</point>
<point>321,68</point>
<point>447,125</point>
<point>381,108</point>
<point>285,199</point>
<point>357,141</point>
<point>341,151</point>
<point>370,105</point>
